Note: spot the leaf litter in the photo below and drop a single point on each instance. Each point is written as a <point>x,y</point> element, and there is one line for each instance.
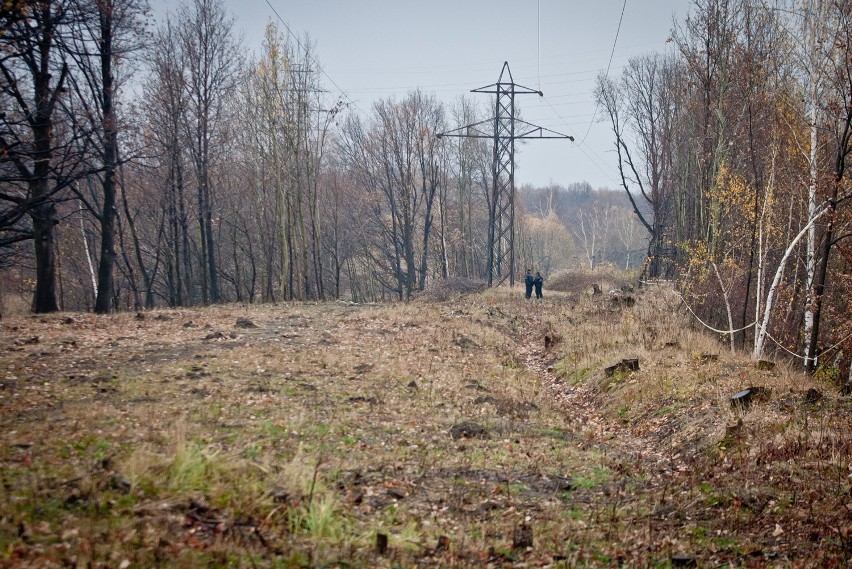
<point>470,430</point>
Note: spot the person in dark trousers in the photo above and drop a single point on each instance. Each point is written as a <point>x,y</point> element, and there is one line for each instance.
<point>528,282</point>
<point>538,281</point>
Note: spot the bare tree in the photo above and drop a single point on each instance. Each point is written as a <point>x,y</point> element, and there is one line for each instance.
<point>164,106</point>
<point>839,105</point>
<point>212,59</point>
<point>36,146</point>
<point>106,32</point>
<point>397,160</point>
<point>642,110</point>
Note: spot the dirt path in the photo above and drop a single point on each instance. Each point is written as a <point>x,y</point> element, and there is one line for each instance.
<point>634,504</point>
<point>578,403</point>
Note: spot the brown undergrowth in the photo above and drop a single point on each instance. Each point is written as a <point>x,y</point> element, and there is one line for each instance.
<point>473,429</point>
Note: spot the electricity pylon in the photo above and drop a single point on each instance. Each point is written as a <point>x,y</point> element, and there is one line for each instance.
<point>501,207</point>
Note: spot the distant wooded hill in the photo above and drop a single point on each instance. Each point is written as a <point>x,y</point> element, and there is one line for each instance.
<point>579,226</point>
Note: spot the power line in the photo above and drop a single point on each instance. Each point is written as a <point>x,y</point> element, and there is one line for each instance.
<point>307,54</point>
<point>444,87</point>
<point>539,45</point>
<point>558,59</point>
<point>507,128</point>
<point>611,53</point>
<point>594,159</point>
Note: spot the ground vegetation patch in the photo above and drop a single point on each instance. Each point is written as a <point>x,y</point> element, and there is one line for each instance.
<point>464,429</point>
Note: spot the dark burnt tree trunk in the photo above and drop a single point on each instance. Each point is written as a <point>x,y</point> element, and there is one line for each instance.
<point>103,302</point>
<point>27,137</point>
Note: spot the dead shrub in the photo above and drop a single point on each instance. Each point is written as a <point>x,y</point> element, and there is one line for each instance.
<point>582,280</point>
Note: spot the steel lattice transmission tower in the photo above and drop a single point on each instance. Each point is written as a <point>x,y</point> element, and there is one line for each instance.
<point>501,204</point>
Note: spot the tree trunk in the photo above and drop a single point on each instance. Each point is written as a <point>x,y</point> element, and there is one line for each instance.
<point>810,256</point>
<point>44,220</point>
<point>820,277</point>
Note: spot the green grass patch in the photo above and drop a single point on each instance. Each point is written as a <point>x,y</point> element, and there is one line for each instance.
<point>599,475</point>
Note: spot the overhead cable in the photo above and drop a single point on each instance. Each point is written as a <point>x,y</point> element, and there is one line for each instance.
<point>327,76</point>
<point>608,65</point>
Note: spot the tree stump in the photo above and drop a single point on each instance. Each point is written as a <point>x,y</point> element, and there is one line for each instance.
<point>628,364</point>
<point>381,543</point>
<point>522,537</point>
<point>443,543</point>
<point>620,299</point>
<point>612,370</point>
<point>468,430</point>
<point>812,396</point>
<point>245,323</point>
<point>744,398</point>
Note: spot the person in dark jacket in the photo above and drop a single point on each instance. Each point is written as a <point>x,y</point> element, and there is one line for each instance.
<point>528,282</point>
<point>538,281</point>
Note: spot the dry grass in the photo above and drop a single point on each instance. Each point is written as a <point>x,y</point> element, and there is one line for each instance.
<point>181,440</point>
<point>12,304</point>
<point>583,280</point>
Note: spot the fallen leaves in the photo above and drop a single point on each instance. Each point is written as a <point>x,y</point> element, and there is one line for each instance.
<point>356,404</point>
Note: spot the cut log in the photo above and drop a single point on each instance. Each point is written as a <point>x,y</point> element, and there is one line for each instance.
<point>742,399</point>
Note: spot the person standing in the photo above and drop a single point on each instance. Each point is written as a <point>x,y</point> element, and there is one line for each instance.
<point>538,281</point>
<point>528,282</point>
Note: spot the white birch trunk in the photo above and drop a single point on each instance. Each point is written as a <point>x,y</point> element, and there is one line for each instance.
<point>88,255</point>
<point>816,18</point>
<point>727,307</point>
<point>810,255</point>
<point>758,293</point>
<point>760,337</point>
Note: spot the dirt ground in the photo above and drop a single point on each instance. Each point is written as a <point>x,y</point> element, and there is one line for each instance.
<point>464,429</point>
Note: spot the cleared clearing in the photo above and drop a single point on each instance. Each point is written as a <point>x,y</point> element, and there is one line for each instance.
<point>473,429</point>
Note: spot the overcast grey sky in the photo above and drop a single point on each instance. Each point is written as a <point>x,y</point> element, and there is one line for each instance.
<point>375,49</point>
